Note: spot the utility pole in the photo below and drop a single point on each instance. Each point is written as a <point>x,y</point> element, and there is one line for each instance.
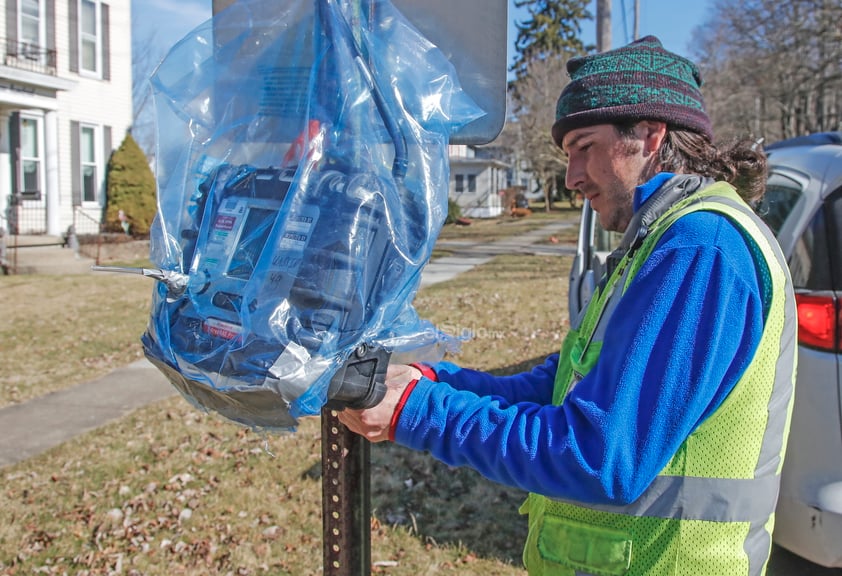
<point>603,25</point>
<point>636,20</point>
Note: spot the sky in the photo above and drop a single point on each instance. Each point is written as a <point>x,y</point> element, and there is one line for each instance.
<point>167,21</point>
<point>672,21</point>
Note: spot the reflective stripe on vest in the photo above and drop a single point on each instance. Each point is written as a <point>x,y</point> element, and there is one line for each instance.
<point>692,498</point>
<point>770,453</point>
<point>731,500</point>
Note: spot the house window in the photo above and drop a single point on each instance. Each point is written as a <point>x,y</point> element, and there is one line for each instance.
<point>460,183</point>
<point>31,25</point>
<point>88,160</point>
<point>30,157</point>
<point>472,183</point>
<point>89,36</point>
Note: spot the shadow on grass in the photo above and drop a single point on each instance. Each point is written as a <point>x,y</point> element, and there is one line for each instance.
<point>446,505</point>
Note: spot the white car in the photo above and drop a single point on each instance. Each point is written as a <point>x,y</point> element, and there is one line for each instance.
<point>803,206</point>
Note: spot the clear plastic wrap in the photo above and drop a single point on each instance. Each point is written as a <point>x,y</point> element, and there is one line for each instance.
<point>302,182</point>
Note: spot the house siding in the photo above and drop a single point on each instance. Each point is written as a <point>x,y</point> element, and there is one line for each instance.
<point>491,179</point>
<point>62,99</point>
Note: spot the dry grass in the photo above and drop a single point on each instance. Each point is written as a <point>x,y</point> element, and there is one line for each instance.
<point>62,330</point>
<point>514,308</point>
<point>490,229</point>
<point>169,490</point>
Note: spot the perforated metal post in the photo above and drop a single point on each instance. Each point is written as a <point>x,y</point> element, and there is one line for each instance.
<point>346,499</point>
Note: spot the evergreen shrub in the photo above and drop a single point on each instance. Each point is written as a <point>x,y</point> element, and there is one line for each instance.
<point>130,188</point>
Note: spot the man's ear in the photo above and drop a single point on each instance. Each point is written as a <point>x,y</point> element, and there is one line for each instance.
<point>652,132</point>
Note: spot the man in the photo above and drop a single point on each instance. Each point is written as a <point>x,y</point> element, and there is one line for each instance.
<point>653,443</point>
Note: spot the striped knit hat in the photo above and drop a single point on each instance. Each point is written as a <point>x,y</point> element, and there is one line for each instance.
<point>640,81</point>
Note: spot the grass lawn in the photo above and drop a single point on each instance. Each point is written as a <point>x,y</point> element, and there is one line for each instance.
<point>62,330</point>
<point>490,229</point>
<point>170,490</point>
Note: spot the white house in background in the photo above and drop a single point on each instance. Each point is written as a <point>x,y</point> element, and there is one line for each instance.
<point>65,105</point>
<point>524,178</point>
<point>476,183</point>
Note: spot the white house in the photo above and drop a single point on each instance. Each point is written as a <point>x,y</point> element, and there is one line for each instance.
<point>65,105</point>
<point>476,183</point>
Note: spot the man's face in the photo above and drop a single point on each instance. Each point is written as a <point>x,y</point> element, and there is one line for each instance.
<point>606,167</point>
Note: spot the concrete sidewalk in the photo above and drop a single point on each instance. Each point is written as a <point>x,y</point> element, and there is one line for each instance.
<point>36,426</point>
<point>466,255</point>
<point>33,427</point>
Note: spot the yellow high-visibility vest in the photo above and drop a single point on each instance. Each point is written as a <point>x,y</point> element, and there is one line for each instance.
<point>711,509</point>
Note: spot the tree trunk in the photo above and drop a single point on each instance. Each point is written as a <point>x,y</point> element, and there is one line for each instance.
<point>547,182</point>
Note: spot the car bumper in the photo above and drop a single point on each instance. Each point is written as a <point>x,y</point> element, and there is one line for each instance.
<point>812,532</point>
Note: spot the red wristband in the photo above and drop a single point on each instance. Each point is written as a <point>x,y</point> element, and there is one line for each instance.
<point>393,423</point>
<point>426,372</point>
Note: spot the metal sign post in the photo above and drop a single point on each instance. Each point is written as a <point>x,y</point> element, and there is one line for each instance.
<point>346,501</point>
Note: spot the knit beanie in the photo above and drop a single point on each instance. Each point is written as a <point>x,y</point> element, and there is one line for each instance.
<point>640,81</point>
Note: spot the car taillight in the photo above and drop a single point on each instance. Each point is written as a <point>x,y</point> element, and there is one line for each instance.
<point>817,321</point>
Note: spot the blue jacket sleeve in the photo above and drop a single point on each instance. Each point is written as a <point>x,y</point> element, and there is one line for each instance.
<point>534,386</point>
<point>668,361</point>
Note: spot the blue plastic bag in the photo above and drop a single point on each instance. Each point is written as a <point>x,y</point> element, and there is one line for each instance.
<point>302,182</point>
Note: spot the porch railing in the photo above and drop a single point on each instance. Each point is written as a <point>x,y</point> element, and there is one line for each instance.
<point>29,57</point>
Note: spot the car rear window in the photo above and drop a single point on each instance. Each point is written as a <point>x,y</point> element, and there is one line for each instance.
<point>816,261</point>
<point>782,193</point>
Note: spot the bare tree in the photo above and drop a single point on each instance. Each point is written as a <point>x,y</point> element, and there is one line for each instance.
<point>534,112</point>
<point>545,41</point>
<point>773,69</point>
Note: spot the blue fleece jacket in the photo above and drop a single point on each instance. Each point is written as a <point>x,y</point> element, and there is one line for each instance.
<point>685,331</point>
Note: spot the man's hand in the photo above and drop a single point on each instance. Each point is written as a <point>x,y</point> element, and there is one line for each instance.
<point>374,423</point>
